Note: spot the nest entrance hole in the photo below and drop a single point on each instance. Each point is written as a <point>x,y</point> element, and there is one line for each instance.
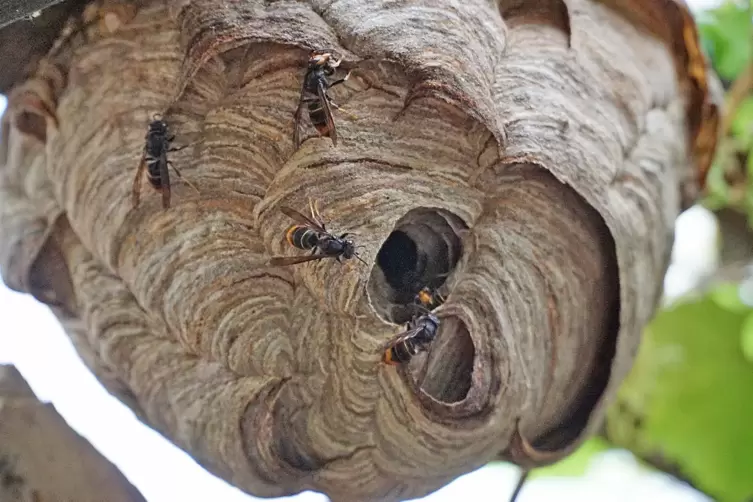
<point>422,251</point>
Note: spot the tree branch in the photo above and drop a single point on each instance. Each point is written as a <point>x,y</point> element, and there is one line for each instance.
<point>42,458</point>
<point>25,41</point>
<point>14,10</point>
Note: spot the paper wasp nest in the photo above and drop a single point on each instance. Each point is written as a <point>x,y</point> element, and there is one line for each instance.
<point>535,151</point>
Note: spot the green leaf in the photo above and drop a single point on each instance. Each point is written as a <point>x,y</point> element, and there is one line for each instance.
<point>575,464</point>
<point>742,125</point>
<point>727,296</point>
<point>718,191</point>
<point>726,34</point>
<point>689,399</point>
<point>746,339</point>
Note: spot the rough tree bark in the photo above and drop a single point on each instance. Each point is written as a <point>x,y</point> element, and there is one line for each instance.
<point>42,459</point>
<point>14,10</point>
<point>536,150</point>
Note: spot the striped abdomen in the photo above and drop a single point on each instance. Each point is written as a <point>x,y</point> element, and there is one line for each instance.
<point>153,171</point>
<point>302,237</point>
<point>318,117</point>
<point>155,152</point>
<point>401,352</point>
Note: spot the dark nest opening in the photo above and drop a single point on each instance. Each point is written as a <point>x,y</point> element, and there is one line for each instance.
<point>423,251</point>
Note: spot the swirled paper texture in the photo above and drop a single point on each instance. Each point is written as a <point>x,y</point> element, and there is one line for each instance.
<point>555,139</point>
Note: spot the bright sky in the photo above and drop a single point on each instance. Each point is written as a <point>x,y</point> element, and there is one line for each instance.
<point>32,340</point>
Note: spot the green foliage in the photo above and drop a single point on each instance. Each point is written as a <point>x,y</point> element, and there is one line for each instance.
<point>688,401</point>
<point>727,296</point>
<point>742,126</point>
<point>726,34</point>
<point>746,338</point>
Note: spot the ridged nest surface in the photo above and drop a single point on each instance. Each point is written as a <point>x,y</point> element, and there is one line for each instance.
<point>527,158</point>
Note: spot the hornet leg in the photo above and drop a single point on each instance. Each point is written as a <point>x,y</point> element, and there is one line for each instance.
<point>342,110</point>
<point>177,171</point>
